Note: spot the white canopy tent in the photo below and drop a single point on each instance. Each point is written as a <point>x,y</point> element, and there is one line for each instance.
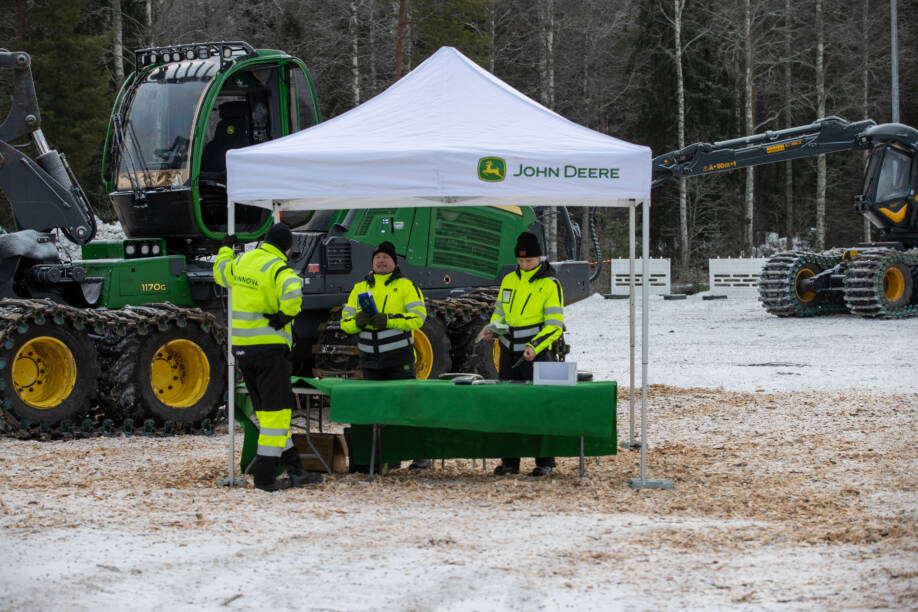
<point>448,133</point>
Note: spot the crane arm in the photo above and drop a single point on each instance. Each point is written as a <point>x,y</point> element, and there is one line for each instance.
<point>828,135</point>
<point>44,194</point>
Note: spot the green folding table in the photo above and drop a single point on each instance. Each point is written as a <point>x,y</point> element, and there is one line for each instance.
<point>440,420</point>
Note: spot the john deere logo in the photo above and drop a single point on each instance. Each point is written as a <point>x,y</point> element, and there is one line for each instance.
<point>492,169</point>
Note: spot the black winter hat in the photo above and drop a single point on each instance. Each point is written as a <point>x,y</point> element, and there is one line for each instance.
<point>388,248</point>
<point>280,236</point>
<point>527,245</point>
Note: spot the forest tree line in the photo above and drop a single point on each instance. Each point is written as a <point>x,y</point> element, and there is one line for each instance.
<point>662,73</point>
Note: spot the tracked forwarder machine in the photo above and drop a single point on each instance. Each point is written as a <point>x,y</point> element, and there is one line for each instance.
<point>876,279</point>
<point>132,335</point>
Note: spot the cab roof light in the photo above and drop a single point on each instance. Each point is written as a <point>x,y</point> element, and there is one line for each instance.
<point>227,51</point>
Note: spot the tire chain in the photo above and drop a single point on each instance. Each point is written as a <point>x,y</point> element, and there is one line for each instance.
<point>864,283</point>
<point>776,283</point>
<point>457,313</point>
<point>121,322</point>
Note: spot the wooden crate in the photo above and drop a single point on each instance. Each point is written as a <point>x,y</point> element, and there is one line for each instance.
<point>332,448</point>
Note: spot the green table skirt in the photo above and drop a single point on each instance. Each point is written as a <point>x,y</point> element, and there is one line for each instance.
<point>408,443</point>
<point>439,420</point>
<point>584,409</point>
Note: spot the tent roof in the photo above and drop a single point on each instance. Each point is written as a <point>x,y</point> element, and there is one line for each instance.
<point>449,132</point>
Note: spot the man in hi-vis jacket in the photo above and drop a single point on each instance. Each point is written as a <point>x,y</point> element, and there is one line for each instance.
<point>386,339</point>
<point>267,295</point>
<point>529,318</point>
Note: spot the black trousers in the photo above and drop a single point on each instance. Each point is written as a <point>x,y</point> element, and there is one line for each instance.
<point>521,372</point>
<point>397,372</point>
<point>266,370</point>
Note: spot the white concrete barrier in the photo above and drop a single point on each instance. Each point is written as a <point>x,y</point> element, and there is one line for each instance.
<point>740,275</point>
<point>658,271</point>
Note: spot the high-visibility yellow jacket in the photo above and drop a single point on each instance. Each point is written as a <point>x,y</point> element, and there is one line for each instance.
<point>262,285</point>
<point>531,305</point>
<point>397,297</point>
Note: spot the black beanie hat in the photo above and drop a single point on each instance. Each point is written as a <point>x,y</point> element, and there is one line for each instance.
<point>388,248</point>
<point>280,236</point>
<point>527,245</point>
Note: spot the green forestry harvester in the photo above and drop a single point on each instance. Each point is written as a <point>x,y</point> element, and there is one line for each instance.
<point>875,279</point>
<point>132,336</point>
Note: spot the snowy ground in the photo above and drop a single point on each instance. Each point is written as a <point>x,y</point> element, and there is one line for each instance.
<point>790,443</point>
<point>734,344</point>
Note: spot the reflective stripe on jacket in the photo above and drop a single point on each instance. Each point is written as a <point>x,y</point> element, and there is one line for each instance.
<point>531,304</point>
<point>397,297</point>
<point>262,284</point>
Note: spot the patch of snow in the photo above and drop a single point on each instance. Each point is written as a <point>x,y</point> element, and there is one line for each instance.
<point>733,344</point>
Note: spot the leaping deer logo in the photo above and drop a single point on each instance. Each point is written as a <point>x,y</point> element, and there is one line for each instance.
<point>492,169</point>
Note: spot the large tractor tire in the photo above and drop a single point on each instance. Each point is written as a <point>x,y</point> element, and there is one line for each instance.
<point>431,349</point>
<point>48,372</point>
<point>174,375</point>
<point>881,283</point>
<point>783,292</point>
<point>336,352</point>
<point>483,358</point>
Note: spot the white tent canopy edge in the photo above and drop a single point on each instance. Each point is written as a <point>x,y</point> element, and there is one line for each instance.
<point>370,157</point>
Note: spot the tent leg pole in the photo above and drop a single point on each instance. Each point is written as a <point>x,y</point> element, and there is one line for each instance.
<point>642,482</point>
<point>631,445</point>
<point>231,480</point>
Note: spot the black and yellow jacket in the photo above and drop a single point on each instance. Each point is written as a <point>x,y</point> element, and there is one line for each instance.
<point>262,284</point>
<point>397,297</point>
<point>531,305</point>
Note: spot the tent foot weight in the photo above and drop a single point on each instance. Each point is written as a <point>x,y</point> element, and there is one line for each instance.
<point>639,483</point>
<point>235,482</point>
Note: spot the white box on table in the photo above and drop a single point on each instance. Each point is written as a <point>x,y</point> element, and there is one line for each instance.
<point>554,373</point>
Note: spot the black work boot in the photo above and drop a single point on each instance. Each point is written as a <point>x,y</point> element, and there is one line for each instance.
<point>541,470</point>
<point>504,469</point>
<point>420,464</point>
<point>304,479</point>
<point>265,471</point>
<point>299,477</point>
<point>276,485</point>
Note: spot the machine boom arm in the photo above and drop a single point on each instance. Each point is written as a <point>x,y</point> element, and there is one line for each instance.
<point>43,193</point>
<point>828,135</point>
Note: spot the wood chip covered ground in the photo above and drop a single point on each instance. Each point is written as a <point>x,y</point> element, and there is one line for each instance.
<point>801,500</point>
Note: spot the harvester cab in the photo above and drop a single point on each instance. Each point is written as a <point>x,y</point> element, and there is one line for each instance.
<point>172,124</point>
<point>888,198</point>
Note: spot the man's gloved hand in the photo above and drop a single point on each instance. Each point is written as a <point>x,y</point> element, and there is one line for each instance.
<point>278,320</point>
<point>362,319</point>
<point>380,321</point>
<point>229,240</point>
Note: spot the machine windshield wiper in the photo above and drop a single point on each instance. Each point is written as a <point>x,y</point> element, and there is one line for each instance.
<point>139,195</point>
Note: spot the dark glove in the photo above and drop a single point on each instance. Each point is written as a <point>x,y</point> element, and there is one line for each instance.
<point>229,240</point>
<point>380,321</point>
<point>362,319</point>
<point>278,320</point>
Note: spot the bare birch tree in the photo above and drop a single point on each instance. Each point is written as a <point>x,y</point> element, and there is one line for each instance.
<point>117,43</point>
<point>788,122</point>
<point>355,59</point>
<point>821,112</point>
<point>547,91</point>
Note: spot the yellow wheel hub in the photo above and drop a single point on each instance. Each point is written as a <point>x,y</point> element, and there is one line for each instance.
<point>423,355</point>
<point>804,296</point>
<point>44,372</point>
<point>893,284</point>
<point>179,373</point>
